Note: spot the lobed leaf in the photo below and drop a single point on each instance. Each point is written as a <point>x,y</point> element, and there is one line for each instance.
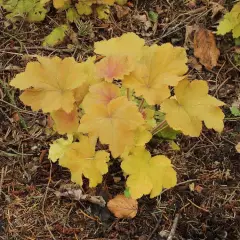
<point>114,123</point>
<point>50,83</point>
<point>148,175</point>
<point>82,159</point>
<point>101,93</point>
<point>191,106</point>
<point>159,67</point>
<point>65,122</point>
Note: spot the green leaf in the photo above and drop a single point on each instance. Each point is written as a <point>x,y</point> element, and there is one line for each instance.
<point>237,59</point>
<point>127,193</point>
<point>235,111</point>
<point>84,8</point>
<point>237,41</point>
<point>56,36</point>
<point>38,14</point>
<point>33,10</point>
<point>174,146</point>
<point>121,2</point>
<point>168,133</point>
<point>231,22</point>
<point>72,15</point>
<point>153,16</point>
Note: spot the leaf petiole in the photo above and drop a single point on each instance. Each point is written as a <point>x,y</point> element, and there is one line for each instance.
<point>141,104</point>
<point>162,125</point>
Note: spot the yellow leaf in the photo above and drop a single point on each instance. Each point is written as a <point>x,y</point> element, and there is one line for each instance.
<point>114,123</point>
<point>59,147</point>
<point>101,93</point>
<point>159,68</point>
<point>148,115</point>
<point>174,146</point>
<point>231,22</point>
<point>81,92</point>
<point>81,159</point>
<point>129,44</point>
<point>141,137</point>
<point>65,122</point>
<point>107,2</point>
<point>123,207</point>
<point>89,76</point>
<point>148,175</point>
<point>60,3</point>
<point>50,83</point>
<point>192,106</point>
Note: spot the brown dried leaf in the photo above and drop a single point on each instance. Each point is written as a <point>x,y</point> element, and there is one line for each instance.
<point>193,62</point>
<point>123,207</point>
<point>189,35</point>
<point>42,155</point>
<point>198,189</point>
<point>16,117</point>
<point>205,48</point>
<point>216,8</point>
<point>122,11</point>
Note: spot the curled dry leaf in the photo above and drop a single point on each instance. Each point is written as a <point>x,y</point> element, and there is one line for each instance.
<point>123,207</point>
<point>216,8</point>
<point>205,48</point>
<point>189,35</point>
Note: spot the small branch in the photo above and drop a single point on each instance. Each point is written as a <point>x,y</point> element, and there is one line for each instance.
<point>195,205</point>
<point>180,184</point>
<point>155,229</point>
<point>65,50</point>
<point>77,194</point>
<point>174,227</point>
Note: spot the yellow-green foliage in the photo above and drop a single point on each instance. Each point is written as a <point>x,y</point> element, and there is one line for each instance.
<point>231,22</point>
<point>35,10</point>
<point>56,36</point>
<point>32,10</point>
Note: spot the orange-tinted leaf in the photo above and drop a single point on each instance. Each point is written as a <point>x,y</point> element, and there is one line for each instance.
<point>101,93</point>
<point>66,122</point>
<point>123,207</point>
<point>80,93</point>
<point>114,67</point>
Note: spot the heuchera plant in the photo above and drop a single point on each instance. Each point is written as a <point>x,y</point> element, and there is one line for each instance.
<point>114,100</point>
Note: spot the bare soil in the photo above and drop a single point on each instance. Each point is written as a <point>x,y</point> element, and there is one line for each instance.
<point>29,208</point>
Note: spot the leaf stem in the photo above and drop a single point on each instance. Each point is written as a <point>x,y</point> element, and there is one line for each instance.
<point>128,94</point>
<point>141,104</point>
<point>159,127</point>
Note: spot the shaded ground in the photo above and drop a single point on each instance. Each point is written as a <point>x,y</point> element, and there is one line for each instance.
<point>29,208</point>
